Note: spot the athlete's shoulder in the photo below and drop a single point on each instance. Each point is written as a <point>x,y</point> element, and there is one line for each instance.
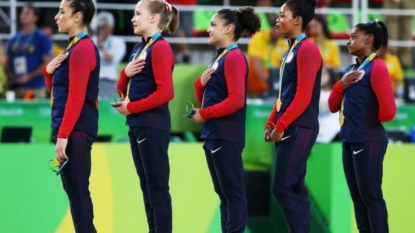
<point>308,49</point>
<point>236,54</point>
<point>162,44</point>
<point>84,49</point>
<point>85,45</point>
<point>379,63</point>
<point>308,45</point>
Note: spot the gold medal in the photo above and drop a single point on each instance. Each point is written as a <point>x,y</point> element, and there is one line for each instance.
<point>341,118</point>
<point>279,103</point>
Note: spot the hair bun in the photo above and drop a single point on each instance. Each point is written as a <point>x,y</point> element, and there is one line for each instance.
<point>312,3</point>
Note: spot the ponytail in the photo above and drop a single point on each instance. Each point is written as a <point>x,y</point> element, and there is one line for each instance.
<point>384,44</point>
<point>169,15</point>
<point>378,30</point>
<point>173,23</point>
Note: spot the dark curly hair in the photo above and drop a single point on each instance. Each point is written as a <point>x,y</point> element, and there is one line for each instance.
<point>246,21</point>
<point>378,30</point>
<point>303,8</point>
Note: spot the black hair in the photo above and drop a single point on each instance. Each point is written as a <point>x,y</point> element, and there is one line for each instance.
<point>35,10</point>
<point>378,30</point>
<point>85,7</point>
<point>246,21</point>
<point>303,8</point>
<point>323,23</point>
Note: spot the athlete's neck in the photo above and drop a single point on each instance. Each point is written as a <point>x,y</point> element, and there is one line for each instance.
<point>149,33</point>
<point>225,43</point>
<point>75,31</point>
<point>294,34</point>
<point>361,57</point>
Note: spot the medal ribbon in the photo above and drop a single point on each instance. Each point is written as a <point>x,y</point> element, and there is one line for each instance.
<point>72,43</point>
<point>225,51</point>
<point>301,37</point>
<point>137,56</point>
<point>364,63</point>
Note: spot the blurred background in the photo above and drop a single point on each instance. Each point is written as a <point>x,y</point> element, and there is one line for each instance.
<point>32,199</point>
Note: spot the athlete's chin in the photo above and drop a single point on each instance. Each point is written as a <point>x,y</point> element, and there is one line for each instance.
<point>280,32</point>
<point>61,29</point>
<point>137,31</point>
<point>211,41</point>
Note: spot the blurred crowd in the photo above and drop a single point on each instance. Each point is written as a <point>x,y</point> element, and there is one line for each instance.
<point>23,56</point>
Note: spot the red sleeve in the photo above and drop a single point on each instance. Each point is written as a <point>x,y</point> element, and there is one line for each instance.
<point>122,83</point>
<point>81,62</point>
<point>48,78</point>
<point>382,86</point>
<point>272,117</point>
<point>162,65</point>
<point>308,65</point>
<point>336,96</point>
<point>199,89</point>
<point>235,73</point>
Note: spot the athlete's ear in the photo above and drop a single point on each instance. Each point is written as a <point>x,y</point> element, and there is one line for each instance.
<point>78,17</point>
<point>369,39</point>
<point>153,18</point>
<point>229,28</point>
<point>298,20</point>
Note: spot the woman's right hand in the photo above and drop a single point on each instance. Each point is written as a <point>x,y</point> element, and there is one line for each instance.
<point>55,63</point>
<point>134,67</point>
<point>267,135</point>
<point>351,78</point>
<point>207,74</point>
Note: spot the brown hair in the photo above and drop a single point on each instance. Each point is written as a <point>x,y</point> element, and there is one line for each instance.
<point>169,15</point>
<point>246,21</point>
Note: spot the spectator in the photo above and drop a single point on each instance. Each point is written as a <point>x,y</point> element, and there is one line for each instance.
<point>112,50</point>
<point>395,70</point>
<point>185,30</point>
<point>55,47</point>
<point>265,51</point>
<point>328,49</point>
<point>400,28</point>
<point>3,78</point>
<point>27,52</point>
<point>267,3</point>
<point>323,3</point>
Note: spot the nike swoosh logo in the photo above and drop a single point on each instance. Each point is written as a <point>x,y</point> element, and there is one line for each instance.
<point>214,151</point>
<point>282,139</point>
<point>142,140</point>
<point>357,152</point>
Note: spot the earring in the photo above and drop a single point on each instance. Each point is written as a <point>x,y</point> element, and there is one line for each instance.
<point>295,23</point>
